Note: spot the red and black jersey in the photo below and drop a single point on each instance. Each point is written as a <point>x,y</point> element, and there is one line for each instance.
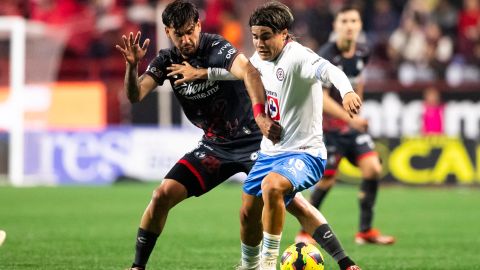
<point>221,108</point>
<point>352,67</point>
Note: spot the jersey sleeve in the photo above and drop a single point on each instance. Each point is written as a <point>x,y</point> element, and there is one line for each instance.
<point>157,68</point>
<point>221,53</point>
<point>315,67</point>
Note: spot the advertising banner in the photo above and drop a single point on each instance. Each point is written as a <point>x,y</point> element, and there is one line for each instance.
<point>101,157</point>
<point>427,160</point>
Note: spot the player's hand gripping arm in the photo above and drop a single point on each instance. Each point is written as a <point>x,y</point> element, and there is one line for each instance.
<point>330,73</point>
<point>332,108</point>
<point>243,69</point>
<point>135,87</point>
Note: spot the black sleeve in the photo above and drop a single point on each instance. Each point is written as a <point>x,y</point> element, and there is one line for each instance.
<point>157,68</point>
<point>221,53</point>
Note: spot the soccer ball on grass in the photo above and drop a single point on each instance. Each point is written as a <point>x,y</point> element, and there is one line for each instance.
<point>301,256</point>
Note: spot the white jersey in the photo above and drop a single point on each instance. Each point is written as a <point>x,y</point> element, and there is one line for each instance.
<point>295,99</point>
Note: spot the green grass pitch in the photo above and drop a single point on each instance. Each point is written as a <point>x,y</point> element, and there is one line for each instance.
<point>95,227</point>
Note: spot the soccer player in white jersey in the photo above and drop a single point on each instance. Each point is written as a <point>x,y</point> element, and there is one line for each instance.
<point>292,76</point>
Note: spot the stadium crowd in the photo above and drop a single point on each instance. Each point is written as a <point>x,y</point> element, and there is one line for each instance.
<point>412,41</point>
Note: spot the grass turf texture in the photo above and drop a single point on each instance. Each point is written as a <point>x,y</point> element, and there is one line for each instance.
<point>95,227</point>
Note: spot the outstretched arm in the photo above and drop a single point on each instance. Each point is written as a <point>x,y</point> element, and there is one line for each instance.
<point>135,88</point>
<point>244,70</point>
<point>329,73</point>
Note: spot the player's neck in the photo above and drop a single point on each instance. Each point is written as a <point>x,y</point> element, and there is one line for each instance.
<point>347,47</point>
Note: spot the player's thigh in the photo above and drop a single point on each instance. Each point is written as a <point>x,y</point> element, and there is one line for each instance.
<point>170,192</point>
<point>200,171</point>
<point>370,165</point>
<point>301,169</point>
<point>362,153</point>
<point>251,209</point>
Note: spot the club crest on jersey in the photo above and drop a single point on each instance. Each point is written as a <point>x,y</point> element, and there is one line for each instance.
<point>280,74</point>
<point>200,155</point>
<point>273,108</point>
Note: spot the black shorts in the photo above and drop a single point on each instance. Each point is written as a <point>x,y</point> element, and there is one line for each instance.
<point>211,164</point>
<point>352,145</point>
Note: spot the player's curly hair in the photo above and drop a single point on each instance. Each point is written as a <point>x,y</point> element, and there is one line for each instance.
<point>178,13</point>
<point>273,14</point>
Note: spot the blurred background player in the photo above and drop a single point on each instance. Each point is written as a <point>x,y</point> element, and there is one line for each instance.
<point>346,137</point>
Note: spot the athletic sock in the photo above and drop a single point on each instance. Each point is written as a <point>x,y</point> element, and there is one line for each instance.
<point>345,263</point>
<point>368,194</point>
<point>317,197</point>
<point>329,242</point>
<point>144,246</point>
<point>250,256</point>
<point>271,244</point>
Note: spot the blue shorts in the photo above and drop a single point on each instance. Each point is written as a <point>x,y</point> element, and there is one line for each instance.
<point>301,169</point>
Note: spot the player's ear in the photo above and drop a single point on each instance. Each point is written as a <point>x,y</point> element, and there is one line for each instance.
<point>167,32</point>
<point>199,25</point>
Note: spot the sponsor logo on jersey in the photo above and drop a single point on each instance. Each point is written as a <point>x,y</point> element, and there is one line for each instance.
<point>273,108</point>
<point>280,74</point>
<point>215,43</point>
<point>198,90</point>
<point>155,71</point>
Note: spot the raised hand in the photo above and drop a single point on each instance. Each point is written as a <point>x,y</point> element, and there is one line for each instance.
<point>132,52</point>
<point>352,103</point>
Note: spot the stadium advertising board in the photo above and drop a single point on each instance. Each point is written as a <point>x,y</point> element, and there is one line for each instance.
<point>101,157</point>
<point>429,160</point>
<point>60,157</point>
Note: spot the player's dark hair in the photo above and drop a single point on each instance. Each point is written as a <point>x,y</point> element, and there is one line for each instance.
<point>346,8</point>
<point>273,14</point>
<point>179,13</point>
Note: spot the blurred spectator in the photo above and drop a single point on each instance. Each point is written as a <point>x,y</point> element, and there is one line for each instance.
<point>231,29</point>
<point>11,8</point>
<point>433,112</point>
<point>320,20</point>
<point>381,24</point>
<point>75,19</point>
<point>214,10</point>
<point>469,30</point>
<point>439,49</point>
<point>446,16</point>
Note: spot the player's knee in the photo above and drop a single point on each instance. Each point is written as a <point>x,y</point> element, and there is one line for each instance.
<point>273,189</point>
<point>326,182</point>
<point>161,197</point>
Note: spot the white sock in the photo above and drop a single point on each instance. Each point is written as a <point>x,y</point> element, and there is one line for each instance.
<point>271,245</point>
<point>251,256</point>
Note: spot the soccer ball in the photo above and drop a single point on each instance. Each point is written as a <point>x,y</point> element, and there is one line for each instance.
<point>301,256</point>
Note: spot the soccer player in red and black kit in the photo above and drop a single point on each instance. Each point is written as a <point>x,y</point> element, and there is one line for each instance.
<point>233,129</point>
<point>346,136</point>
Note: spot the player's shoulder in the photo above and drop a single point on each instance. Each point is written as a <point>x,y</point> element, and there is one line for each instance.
<point>297,52</point>
<point>208,40</point>
<point>328,50</point>
<point>362,49</point>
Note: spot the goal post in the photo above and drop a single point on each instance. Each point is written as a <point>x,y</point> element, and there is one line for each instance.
<point>15,27</point>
